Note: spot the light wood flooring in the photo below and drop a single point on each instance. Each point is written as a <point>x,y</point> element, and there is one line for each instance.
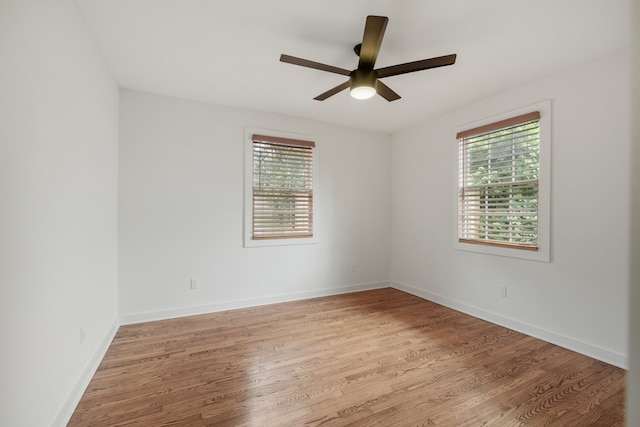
<point>382,357</point>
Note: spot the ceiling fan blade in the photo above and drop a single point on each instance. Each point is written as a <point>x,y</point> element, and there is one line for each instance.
<point>386,92</point>
<point>410,67</point>
<point>333,91</point>
<point>371,41</point>
<point>312,64</point>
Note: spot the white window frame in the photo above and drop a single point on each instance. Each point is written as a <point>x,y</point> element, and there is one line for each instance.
<point>544,188</point>
<point>248,191</point>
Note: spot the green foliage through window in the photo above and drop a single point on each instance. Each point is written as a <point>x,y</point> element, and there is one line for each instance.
<point>282,189</point>
<point>499,172</point>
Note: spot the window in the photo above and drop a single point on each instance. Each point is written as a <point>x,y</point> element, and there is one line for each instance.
<point>499,187</point>
<point>281,204</point>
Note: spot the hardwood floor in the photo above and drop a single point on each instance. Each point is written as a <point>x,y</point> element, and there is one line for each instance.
<point>381,357</point>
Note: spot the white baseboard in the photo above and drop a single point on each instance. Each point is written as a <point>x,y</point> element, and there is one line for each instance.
<point>128,319</point>
<point>74,398</point>
<point>594,351</point>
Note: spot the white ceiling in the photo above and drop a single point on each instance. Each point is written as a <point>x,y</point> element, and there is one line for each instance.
<point>227,52</point>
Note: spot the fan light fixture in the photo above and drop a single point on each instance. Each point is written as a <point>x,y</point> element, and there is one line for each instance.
<point>363,84</point>
<point>362,92</point>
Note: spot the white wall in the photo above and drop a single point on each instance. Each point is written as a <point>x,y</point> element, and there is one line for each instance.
<point>633,378</point>
<point>181,211</point>
<point>579,299</point>
<point>58,210</point>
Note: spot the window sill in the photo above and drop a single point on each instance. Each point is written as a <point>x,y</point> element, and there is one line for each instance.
<point>261,243</point>
<point>527,254</point>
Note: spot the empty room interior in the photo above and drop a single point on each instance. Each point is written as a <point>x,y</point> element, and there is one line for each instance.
<point>201,224</point>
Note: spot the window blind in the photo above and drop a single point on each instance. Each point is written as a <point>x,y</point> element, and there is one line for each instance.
<point>282,188</point>
<point>499,167</point>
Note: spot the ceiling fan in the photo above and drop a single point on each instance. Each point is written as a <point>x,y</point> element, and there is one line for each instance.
<point>364,82</point>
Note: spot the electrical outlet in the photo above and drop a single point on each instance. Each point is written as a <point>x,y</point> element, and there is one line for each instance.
<point>194,284</point>
<point>354,268</point>
<point>502,291</point>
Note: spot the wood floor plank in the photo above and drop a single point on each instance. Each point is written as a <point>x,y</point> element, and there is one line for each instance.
<point>379,357</point>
